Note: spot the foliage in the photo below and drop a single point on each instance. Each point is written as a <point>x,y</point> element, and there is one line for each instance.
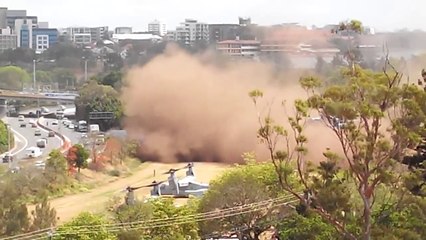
<point>299,227</point>
<point>13,78</point>
<point>114,61</point>
<point>99,98</point>
<point>43,216</point>
<point>355,111</point>
<point>4,138</point>
<point>17,56</point>
<point>43,77</point>
<point>113,79</point>
<point>237,186</point>
<point>156,209</point>
<point>85,226</point>
<point>77,157</point>
<point>56,170</point>
<point>65,78</point>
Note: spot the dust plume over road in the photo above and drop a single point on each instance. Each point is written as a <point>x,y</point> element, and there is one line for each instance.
<point>188,108</point>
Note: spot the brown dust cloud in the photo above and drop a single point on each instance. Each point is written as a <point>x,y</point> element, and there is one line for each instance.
<point>186,108</point>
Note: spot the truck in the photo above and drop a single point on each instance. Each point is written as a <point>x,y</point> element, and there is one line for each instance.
<point>33,152</point>
<point>94,128</point>
<point>81,126</point>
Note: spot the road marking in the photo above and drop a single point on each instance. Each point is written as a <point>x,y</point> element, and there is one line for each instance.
<point>23,138</point>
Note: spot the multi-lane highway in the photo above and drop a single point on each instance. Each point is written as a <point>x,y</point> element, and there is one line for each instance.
<point>25,138</point>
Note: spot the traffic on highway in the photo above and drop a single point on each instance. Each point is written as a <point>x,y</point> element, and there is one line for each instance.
<point>33,143</point>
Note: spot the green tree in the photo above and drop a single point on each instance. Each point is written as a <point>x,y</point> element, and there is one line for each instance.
<point>64,78</point>
<point>99,98</point>
<point>113,79</point>
<point>238,186</point>
<point>77,157</point>
<point>298,227</point>
<point>43,216</point>
<point>84,227</point>
<point>43,77</point>
<point>56,170</point>
<point>6,138</point>
<point>13,78</point>
<point>355,112</point>
<point>17,56</point>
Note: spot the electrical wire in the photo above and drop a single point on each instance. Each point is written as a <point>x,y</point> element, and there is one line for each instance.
<point>155,222</point>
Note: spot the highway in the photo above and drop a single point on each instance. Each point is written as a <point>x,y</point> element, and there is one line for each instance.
<point>25,138</point>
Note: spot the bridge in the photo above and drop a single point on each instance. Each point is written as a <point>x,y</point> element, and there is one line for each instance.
<point>55,97</point>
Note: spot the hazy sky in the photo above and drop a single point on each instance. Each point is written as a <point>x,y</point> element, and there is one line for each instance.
<point>381,14</point>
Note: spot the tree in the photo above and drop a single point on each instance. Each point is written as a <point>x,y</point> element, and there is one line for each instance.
<point>64,78</point>
<point>238,186</point>
<point>43,216</point>
<point>6,138</point>
<point>17,56</point>
<point>77,157</point>
<point>84,227</point>
<point>113,79</point>
<point>99,98</point>
<point>114,61</point>
<point>13,78</point>
<point>56,170</point>
<point>355,112</point>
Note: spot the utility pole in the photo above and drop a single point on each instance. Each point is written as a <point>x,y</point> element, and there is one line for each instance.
<point>85,69</point>
<point>34,75</point>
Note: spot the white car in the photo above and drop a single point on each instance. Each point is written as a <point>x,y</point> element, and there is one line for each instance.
<point>21,118</point>
<point>55,122</point>
<point>71,126</point>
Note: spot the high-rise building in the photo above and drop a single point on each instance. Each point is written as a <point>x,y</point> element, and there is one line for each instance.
<point>44,38</point>
<point>192,31</point>
<point>80,36</point>
<point>24,30</point>
<point>158,28</point>
<point>221,32</point>
<point>99,33</point>
<point>3,17</point>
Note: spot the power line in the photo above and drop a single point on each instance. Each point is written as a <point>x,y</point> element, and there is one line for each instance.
<point>157,222</point>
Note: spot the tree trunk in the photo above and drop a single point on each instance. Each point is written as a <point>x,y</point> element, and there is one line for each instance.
<point>367,217</point>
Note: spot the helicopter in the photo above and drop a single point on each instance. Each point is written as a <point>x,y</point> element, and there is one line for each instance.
<point>176,188</point>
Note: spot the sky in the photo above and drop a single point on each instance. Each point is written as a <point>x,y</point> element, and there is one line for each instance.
<point>383,15</point>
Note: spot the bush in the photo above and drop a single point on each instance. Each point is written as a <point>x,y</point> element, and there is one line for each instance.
<point>114,173</point>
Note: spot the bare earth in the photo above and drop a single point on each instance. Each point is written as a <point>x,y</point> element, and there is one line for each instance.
<point>95,200</point>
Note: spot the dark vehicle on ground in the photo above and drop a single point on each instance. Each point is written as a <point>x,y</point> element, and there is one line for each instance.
<point>51,134</point>
<point>7,158</point>
<point>37,132</point>
<point>22,124</point>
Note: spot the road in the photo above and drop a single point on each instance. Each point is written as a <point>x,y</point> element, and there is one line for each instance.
<point>25,136</point>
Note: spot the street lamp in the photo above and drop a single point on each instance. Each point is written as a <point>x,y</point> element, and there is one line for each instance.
<point>34,76</point>
<point>85,69</point>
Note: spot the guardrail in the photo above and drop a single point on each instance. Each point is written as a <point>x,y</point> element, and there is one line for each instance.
<point>66,144</point>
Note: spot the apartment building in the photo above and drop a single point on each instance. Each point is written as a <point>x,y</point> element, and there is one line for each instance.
<point>80,36</point>
<point>158,28</point>
<point>192,31</point>
<point>239,48</point>
<point>98,33</point>
<point>8,40</point>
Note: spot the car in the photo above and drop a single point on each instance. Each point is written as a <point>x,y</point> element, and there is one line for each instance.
<point>37,132</point>
<point>22,124</point>
<point>41,143</point>
<point>71,126</point>
<point>55,122</point>
<point>51,134</point>
<point>7,158</point>
<point>21,118</point>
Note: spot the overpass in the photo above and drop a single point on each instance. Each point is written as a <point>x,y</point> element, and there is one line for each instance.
<point>55,97</point>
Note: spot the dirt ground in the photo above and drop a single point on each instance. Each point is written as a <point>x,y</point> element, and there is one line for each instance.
<point>96,199</point>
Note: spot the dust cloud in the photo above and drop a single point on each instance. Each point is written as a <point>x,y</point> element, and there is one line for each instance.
<point>189,108</point>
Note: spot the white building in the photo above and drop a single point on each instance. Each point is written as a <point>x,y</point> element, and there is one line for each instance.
<point>156,27</point>
<point>191,31</point>
<point>7,39</point>
<point>79,35</point>
<point>136,37</point>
